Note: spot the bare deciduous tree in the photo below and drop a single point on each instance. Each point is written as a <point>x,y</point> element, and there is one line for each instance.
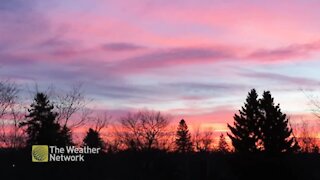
<point>17,136</point>
<point>307,138</point>
<point>11,114</point>
<point>114,144</point>
<point>143,130</point>
<point>100,121</point>
<point>70,103</point>
<point>167,141</point>
<point>8,96</point>
<point>203,141</point>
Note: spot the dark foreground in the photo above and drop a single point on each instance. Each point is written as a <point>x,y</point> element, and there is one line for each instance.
<point>163,166</point>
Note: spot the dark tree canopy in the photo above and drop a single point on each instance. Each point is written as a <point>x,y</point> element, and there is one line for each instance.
<point>93,139</point>
<point>244,132</point>
<point>261,126</point>
<point>42,126</point>
<point>276,134</point>
<point>183,138</point>
<point>66,136</point>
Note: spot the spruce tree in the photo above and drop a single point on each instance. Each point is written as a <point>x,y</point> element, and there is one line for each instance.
<point>245,133</point>
<point>66,136</point>
<point>42,127</point>
<point>93,139</point>
<point>275,134</point>
<point>183,138</point>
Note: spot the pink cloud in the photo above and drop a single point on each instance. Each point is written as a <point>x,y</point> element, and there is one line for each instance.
<point>256,23</point>
<point>288,80</point>
<point>293,51</point>
<point>125,49</point>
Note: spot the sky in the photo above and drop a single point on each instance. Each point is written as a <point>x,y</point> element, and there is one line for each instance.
<point>193,59</point>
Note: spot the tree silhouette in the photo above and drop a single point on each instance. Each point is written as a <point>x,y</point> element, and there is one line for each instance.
<point>223,145</point>
<point>66,136</point>
<point>245,130</point>
<point>42,127</point>
<point>307,138</point>
<point>11,114</point>
<point>93,139</point>
<point>275,134</point>
<point>261,126</point>
<point>70,103</point>
<point>143,130</point>
<point>202,141</point>
<point>183,138</point>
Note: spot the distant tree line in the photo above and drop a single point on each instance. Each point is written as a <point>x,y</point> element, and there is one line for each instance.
<point>259,127</point>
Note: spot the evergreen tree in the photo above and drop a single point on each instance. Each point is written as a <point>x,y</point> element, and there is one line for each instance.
<point>223,145</point>
<point>183,138</point>
<point>42,127</point>
<point>66,136</point>
<point>93,139</point>
<point>246,125</point>
<point>275,134</point>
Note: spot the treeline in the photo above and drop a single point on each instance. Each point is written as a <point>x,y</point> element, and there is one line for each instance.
<point>259,126</point>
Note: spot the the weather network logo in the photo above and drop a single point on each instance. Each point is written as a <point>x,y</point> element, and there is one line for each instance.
<point>45,153</point>
<point>40,153</point>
